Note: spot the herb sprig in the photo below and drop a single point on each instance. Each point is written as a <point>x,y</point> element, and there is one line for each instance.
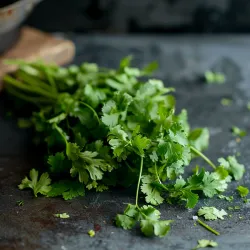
<point>104,127</point>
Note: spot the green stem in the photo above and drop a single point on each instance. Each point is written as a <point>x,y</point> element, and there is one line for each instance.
<point>160,185</point>
<point>202,156</point>
<point>94,112</point>
<point>156,172</point>
<point>21,85</point>
<point>138,184</point>
<point>51,80</point>
<point>32,81</point>
<point>208,227</point>
<point>35,100</point>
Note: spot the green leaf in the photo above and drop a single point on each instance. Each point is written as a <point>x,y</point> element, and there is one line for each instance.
<point>190,198</point>
<point>128,219</point>
<point>206,243</point>
<point>110,120</point>
<point>243,191</point>
<point>58,163</point>
<point>212,213</point>
<point>150,68</point>
<point>73,151</point>
<point>227,198</point>
<point>238,132</point>
<point>118,140</point>
<point>150,224</point>
<point>62,216</point>
<point>153,195</point>
<point>139,144</point>
<point>125,221</point>
<point>199,138</point>
<point>233,167</point>
<point>125,62</point>
<point>41,186</point>
<point>58,118</point>
<point>67,189</point>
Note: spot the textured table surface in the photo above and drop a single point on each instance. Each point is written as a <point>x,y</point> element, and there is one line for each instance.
<point>181,59</point>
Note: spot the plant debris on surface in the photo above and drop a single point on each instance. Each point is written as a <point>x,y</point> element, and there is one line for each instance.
<point>212,213</point>
<point>104,128</point>
<point>243,191</point>
<point>62,216</point>
<point>205,243</point>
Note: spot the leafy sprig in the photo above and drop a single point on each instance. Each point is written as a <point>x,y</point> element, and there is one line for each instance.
<point>107,127</point>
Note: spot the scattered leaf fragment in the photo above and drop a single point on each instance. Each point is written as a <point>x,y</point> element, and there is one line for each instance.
<point>212,213</point>
<point>20,203</point>
<point>62,216</point>
<point>205,243</point>
<point>243,191</point>
<point>226,102</point>
<point>91,233</point>
<point>214,77</point>
<point>238,132</point>
<point>227,198</point>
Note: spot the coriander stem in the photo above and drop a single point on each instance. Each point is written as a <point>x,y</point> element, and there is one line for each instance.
<point>156,172</point>
<point>95,114</point>
<point>24,97</point>
<point>24,87</point>
<point>202,156</point>
<point>208,227</point>
<point>138,184</point>
<point>51,80</point>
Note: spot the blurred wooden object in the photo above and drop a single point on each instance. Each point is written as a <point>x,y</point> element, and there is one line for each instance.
<point>34,44</point>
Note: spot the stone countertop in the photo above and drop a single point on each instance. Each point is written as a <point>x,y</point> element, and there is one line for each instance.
<point>181,60</point>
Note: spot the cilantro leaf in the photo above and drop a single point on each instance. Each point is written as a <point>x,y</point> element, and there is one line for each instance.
<point>119,142</point>
<point>73,151</point>
<point>153,195</point>
<point>233,167</point>
<point>212,213</point>
<point>62,216</point>
<point>41,185</point>
<point>129,218</point>
<point>199,138</point>
<point>238,132</point>
<point>243,191</point>
<point>205,243</point>
<point>150,224</point>
<point>67,189</point>
<point>58,163</point>
<point>148,218</point>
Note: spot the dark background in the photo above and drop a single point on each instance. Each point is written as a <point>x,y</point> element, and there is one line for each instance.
<point>135,16</point>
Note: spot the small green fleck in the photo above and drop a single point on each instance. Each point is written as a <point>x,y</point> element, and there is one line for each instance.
<point>243,191</point>
<point>226,102</point>
<point>214,77</point>
<point>205,243</point>
<point>230,216</point>
<point>236,207</point>
<point>62,216</point>
<point>241,217</point>
<point>230,208</point>
<point>20,203</point>
<point>91,233</point>
<point>238,132</point>
<point>227,198</point>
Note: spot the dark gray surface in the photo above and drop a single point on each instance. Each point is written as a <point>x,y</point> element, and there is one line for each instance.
<point>181,59</point>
